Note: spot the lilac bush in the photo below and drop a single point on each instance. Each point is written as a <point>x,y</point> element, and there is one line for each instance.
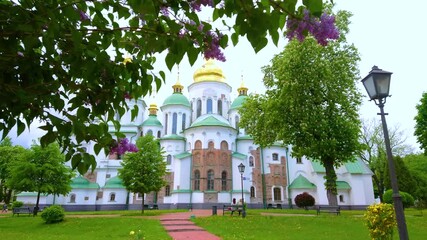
<point>123,146</point>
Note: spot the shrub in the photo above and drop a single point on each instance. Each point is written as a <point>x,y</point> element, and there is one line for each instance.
<point>53,214</point>
<point>17,204</point>
<point>380,221</point>
<point>407,199</point>
<point>304,200</point>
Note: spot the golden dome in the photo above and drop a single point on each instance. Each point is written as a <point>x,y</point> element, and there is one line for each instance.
<point>242,90</point>
<point>209,72</point>
<point>153,109</point>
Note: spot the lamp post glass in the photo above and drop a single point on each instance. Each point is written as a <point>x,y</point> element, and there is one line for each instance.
<point>242,170</point>
<point>377,84</point>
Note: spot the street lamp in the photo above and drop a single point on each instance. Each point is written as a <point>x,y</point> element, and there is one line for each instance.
<point>377,84</point>
<point>242,170</point>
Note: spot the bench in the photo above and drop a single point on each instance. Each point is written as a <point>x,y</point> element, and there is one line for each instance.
<point>329,209</point>
<point>19,210</point>
<point>151,207</point>
<point>278,206</point>
<point>232,209</point>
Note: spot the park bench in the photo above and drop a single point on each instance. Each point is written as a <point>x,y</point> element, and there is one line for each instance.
<point>231,209</point>
<point>151,207</point>
<point>19,210</point>
<point>329,209</point>
<point>278,206</point>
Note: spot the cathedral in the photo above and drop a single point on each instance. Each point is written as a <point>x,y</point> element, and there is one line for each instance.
<point>204,147</point>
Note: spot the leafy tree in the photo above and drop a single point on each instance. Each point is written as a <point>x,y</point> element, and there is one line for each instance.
<point>421,123</point>
<point>8,154</point>
<point>407,199</point>
<point>62,62</point>
<point>374,152</point>
<point>144,171</point>
<point>42,171</point>
<point>405,181</point>
<point>311,102</point>
<point>417,165</point>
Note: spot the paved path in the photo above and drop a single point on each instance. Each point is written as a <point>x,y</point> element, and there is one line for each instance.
<point>180,227</point>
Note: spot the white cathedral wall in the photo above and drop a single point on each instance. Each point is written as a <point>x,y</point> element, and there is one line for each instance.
<point>207,134</point>
<point>121,195</point>
<point>170,110</point>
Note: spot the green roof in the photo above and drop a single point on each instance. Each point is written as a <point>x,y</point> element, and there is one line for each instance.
<point>245,137</point>
<point>172,137</point>
<point>355,167</point>
<point>82,183</point>
<point>114,182</point>
<point>176,99</point>
<point>152,121</point>
<point>301,183</point>
<point>30,194</point>
<point>182,155</point>
<point>210,120</point>
<point>318,167</point>
<point>238,102</point>
<point>343,185</point>
<point>239,155</point>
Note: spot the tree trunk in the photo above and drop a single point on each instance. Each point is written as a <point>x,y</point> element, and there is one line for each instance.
<point>380,187</point>
<point>36,208</point>
<point>143,201</point>
<point>331,183</point>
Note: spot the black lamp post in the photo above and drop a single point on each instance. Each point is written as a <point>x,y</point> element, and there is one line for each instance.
<point>377,84</point>
<point>242,170</point>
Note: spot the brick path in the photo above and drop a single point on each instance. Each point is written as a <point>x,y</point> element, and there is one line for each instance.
<point>179,226</point>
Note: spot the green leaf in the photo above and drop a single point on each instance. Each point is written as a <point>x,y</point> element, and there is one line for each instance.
<point>235,38</point>
<point>314,6</point>
<point>170,60</point>
<point>21,127</point>
<point>192,55</point>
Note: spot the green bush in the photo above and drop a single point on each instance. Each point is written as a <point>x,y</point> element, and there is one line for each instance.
<point>304,200</point>
<point>17,204</point>
<point>53,214</point>
<point>407,199</point>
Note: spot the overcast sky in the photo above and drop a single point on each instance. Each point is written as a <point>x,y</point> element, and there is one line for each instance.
<point>390,34</point>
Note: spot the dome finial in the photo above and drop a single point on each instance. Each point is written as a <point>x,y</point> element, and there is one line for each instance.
<point>242,90</point>
<point>177,88</point>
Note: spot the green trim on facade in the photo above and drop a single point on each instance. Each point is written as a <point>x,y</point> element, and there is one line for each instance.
<point>245,137</point>
<point>176,99</point>
<point>240,191</point>
<point>82,183</point>
<point>182,155</point>
<point>30,194</point>
<point>343,185</point>
<point>318,167</point>
<point>123,131</point>
<point>152,121</point>
<point>173,137</point>
<point>238,102</point>
<point>209,121</point>
<point>182,191</point>
<point>239,155</point>
<point>114,182</point>
<point>301,183</point>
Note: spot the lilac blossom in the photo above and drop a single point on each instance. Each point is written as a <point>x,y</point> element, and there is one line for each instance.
<point>83,16</point>
<point>196,5</point>
<point>164,11</point>
<point>212,50</point>
<point>322,28</point>
<point>123,146</point>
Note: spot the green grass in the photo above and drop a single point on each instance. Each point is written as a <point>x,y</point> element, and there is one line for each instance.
<point>349,225</point>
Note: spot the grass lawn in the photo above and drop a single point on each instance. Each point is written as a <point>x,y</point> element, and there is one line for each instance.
<point>298,224</point>
<point>349,225</point>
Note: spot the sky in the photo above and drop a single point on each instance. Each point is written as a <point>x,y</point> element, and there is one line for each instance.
<point>387,33</point>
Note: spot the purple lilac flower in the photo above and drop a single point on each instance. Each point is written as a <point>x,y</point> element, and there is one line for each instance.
<point>213,49</point>
<point>196,5</point>
<point>322,29</point>
<point>123,146</point>
<point>200,27</point>
<point>83,16</point>
<point>164,11</point>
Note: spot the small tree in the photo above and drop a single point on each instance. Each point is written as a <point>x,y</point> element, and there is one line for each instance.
<point>304,200</point>
<point>407,199</point>
<point>144,171</point>
<point>43,171</point>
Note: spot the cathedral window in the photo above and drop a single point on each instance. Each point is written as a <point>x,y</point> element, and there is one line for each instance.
<point>198,144</point>
<point>275,157</point>
<point>299,160</point>
<point>251,161</point>
<point>211,180</point>
<point>174,122</point>
<point>341,198</point>
<point>197,180</point>
<point>252,191</point>
<point>150,132</point>
<point>236,123</point>
<point>73,198</point>
<point>166,124</point>
<point>224,181</point>
<point>167,191</point>
<point>112,197</point>
<point>169,159</point>
<point>224,145</point>
<point>199,108</point>
<point>220,107</point>
<point>209,106</point>
<point>183,121</point>
<point>277,192</point>
<point>159,134</point>
<point>211,145</point>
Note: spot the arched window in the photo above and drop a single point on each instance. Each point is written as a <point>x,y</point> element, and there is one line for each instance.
<point>224,181</point>
<point>199,108</point>
<point>210,180</point>
<point>209,106</point>
<point>150,132</point>
<point>236,122</point>
<point>112,197</point>
<point>275,157</point>
<point>252,191</point>
<point>73,198</point>
<point>211,145</point>
<point>169,159</point>
<point>159,134</point>
<point>224,145</point>
<point>198,144</point>
<point>183,121</point>
<point>167,191</point>
<point>220,107</point>
<point>277,194</point>
<point>197,180</point>
<point>166,124</point>
<point>251,161</point>
<point>174,122</point>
